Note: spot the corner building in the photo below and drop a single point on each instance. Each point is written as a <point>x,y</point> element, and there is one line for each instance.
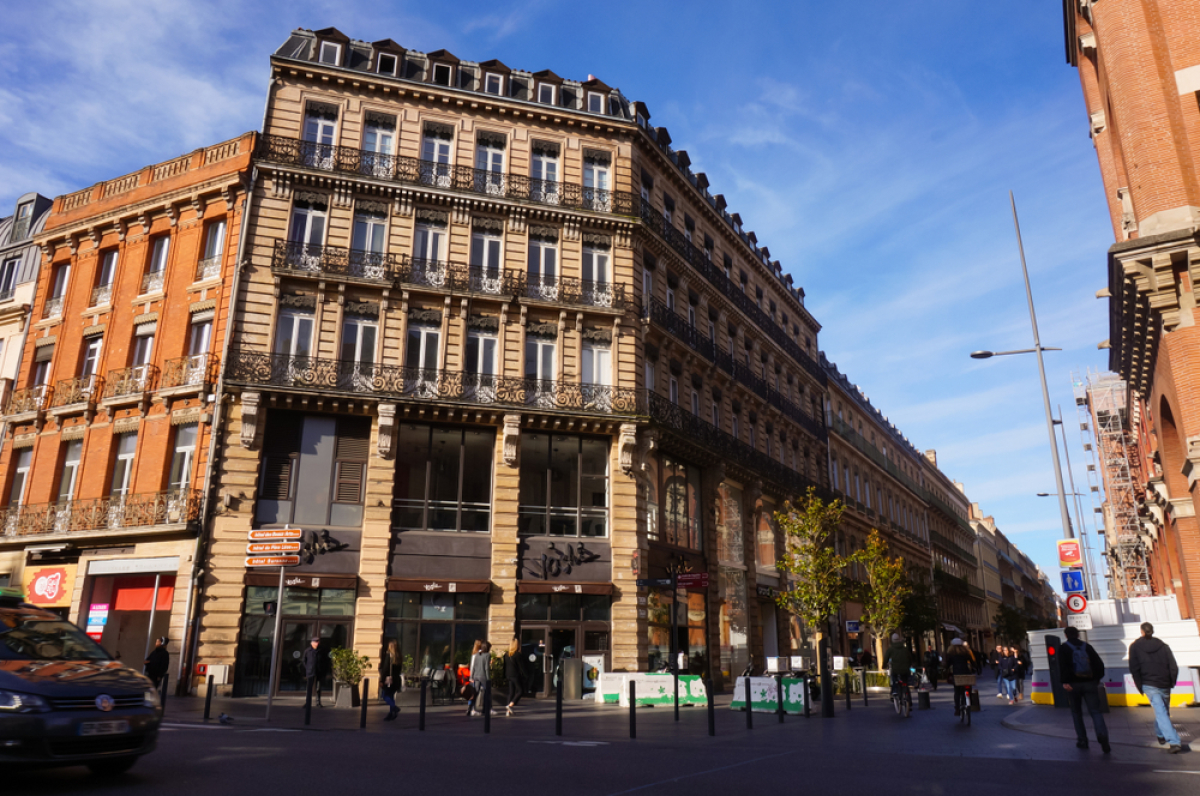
<point>109,421</point>
<point>500,355</point>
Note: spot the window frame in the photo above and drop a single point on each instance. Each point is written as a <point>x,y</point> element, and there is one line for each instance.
<point>379,64</point>
<point>582,479</point>
<point>337,53</point>
<point>541,87</point>
<point>428,503</point>
<point>487,78</point>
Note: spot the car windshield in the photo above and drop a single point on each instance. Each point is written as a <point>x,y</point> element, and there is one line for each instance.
<point>35,638</point>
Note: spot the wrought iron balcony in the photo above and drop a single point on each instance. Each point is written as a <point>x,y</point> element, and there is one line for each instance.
<point>82,390</point>
<point>421,384</point>
<point>117,512</point>
<point>195,370</point>
<point>679,327</point>
<point>442,275</point>
<point>102,295</point>
<point>153,282</point>
<point>348,160</point>
<point>315,260</point>
<point>569,290</point>
<point>129,382</point>
<point>208,268</point>
<point>30,399</point>
<point>949,545</point>
<point>54,307</point>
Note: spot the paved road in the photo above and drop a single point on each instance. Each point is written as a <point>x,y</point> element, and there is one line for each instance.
<point>858,751</point>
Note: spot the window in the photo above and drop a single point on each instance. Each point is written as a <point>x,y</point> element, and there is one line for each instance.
<point>595,265</point>
<point>680,524</point>
<point>421,353</point>
<point>442,74</point>
<point>443,478</point>
<point>485,255</point>
<point>41,365</point>
<point>833,468</point>
<point>379,139</point>
<point>214,239</point>
<point>691,628</point>
<point>692,315</point>
<point>753,441</point>
<point>674,390</point>
<point>183,458</point>
<point>539,369</point>
<point>736,428</point>
<point>330,53</point>
<point>70,471</point>
<point>647,288</point>
<point>320,128</point>
<point>91,356</point>
<point>199,336</point>
<point>293,334</point>
<point>543,173</point>
<point>595,102</point>
<point>21,225</point>
<point>480,365</point>
<point>650,375</point>
<point>62,275</point>
<point>370,231</point>
<point>493,84</point>
<point>489,164</point>
<point>546,93</point>
<point>308,226</point>
<point>435,152</point>
<point>542,269</point>
<point>765,537</point>
<point>435,630</point>
<point>668,208</point>
<point>16,494</point>
<point>122,474</point>
<point>716,414</point>
<point>8,278</point>
<point>563,486</point>
<point>596,181</point>
<point>429,243</point>
<point>356,369</point>
<point>143,346</point>
<point>597,364</point>
<point>386,64</point>
<point>671,298</point>
<point>695,403</point>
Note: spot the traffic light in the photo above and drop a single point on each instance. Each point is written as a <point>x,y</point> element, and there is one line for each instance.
<point>1053,647</point>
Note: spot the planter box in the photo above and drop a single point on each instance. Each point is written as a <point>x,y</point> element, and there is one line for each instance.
<point>346,695</point>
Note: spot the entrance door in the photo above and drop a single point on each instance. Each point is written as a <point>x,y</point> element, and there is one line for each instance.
<point>543,649</point>
<point>297,636</point>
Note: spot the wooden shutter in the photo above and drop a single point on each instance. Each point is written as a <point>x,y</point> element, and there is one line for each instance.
<point>351,454</point>
<point>276,478</point>
<point>281,448</point>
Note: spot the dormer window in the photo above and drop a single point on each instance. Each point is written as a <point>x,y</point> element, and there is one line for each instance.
<point>595,102</point>
<point>330,53</point>
<point>442,74</point>
<point>494,84</point>
<point>386,64</point>
<point>546,93</point>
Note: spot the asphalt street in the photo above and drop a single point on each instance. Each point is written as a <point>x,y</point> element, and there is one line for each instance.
<point>861,750</point>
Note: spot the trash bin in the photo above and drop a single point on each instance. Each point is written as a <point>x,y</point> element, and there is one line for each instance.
<point>572,678</point>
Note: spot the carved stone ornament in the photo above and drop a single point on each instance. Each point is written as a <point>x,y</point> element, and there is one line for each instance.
<point>433,218</point>
<point>483,324</point>
<point>299,302</point>
<point>321,110</point>
<point>439,130</point>
<point>597,241</point>
<point>597,156</point>
<point>512,439</point>
<point>627,445</point>
<point>484,224</point>
<point>366,309</point>
<point>425,316</point>
<point>494,140</point>
<point>548,329</point>
<point>598,335</point>
<point>543,233</point>
<point>387,430</point>
<point>311,198</point>
<point>368,206</point>
<point>381,120</point>
<point>545,148</point>
<point>250,418</point>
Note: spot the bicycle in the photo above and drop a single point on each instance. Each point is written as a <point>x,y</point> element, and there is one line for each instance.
<point>902,697</point>
<point>967,683</point>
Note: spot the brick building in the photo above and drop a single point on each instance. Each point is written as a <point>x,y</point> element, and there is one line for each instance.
<point>107,451</point>
<point>1139,65</point>
<point>501,354</point>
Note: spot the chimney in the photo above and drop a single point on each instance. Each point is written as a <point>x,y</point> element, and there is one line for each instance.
<point>931,455</point>
<point>591,76</point>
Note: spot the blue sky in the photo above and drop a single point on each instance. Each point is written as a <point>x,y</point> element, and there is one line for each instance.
<point>871,146</point>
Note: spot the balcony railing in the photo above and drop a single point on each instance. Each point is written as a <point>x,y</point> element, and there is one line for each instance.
<point>348,160</point>
<point>30,399</point>
<point>421,384</point>
<point>950,546</point>
<point>569,290</point>
<point>136,380</point>
<point>82,390</point>
<point>679,327</point>
<point>174,507</point>
<point>319,260</point>
<point>208,268</point>
<point>189,371</point>
<point>153,282</point>
<point>102,295</point>
<point>54,307</point>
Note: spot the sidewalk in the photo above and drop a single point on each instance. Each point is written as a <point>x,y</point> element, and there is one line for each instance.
<point>1126,726</point>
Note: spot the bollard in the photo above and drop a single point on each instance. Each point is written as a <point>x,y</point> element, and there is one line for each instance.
<point>848,690</point>
<point>864,684</point>
<point>923,700</point>
<point>749,707</point>
<point>487,706</point>
<point>807,694</point>
<point>362,716</point>
<point>676,693</point>
<point>208,699</point>
<point>558,698</point>
<point>712,713</point>
<point>632,710</point>
<point>421,709</point>
<point>779,696</point>
<point>308,703</point>
<point>162,693</point>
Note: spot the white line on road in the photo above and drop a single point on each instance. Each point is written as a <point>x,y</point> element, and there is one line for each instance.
<point>699,773</point>
<point>271,729</point>
<point>574,743</point>
<point>1172,771</point>
<point>193,726</point>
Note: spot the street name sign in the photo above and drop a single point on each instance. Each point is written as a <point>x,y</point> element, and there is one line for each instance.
<point>258,548</point>
<point>1072,581</point>
<point>269,534</point>
<point>1081,621</point>
<point>273,561</point>
<point>693,580</point>
<point>1076,603</point>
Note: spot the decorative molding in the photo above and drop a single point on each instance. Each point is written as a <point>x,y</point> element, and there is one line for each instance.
<point>647,447</point>
<point>73,432</point>
<point>439,130</point>
<point>483,323</point>
<point>387,430</point>
<point>547,329</point>
<point>312,197</point>
<point>511,439</point>
<point>485,224</point>
<point>543,233</point>
<point>126,425</point>
<point>597,156</point>
<point>201,306</point>
<point>92,331</point>
<point>598,335</point>
<point>627,446</point>
<point>371,206</point>
<point>199,205</point>
<point>187,416</point>
<point>142,320</point>
<point>381,120</point>
<point>487,138</point>
<point>425,316</point>
<point>367,309</point>
<point>321,110</point>
<point>250,406</point>
<point>45,341</point>
<point>20,441</point>
<point>299,302</point>
<point>172,213</point>
<point>547,148</point>
<point>435,218</point>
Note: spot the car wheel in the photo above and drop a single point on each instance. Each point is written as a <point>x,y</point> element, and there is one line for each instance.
<point>112,766</point>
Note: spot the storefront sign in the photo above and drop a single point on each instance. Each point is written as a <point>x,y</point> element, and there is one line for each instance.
<point>853,626</point>
<point>273,561</point>
<point>257,548</point>
<point>131,566</point>
<point>693,580</point>
<point>276,533</point>
<point>1069,554</point>
<point>49,587</point>
<point>449,586</point>
<point>764,694</point>
<point>767,591</point>
<point>96,620</point>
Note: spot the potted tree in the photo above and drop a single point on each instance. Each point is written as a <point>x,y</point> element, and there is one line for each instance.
<point>348,668</point>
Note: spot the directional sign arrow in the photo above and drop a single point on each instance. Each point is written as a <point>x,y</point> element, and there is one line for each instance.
<point>272,561</point>
<point>272,547</point>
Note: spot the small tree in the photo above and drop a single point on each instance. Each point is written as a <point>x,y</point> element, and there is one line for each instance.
<point>1011,625</point>
<point>348,665</point>
<point>920,610</point>
<point>886,587</point>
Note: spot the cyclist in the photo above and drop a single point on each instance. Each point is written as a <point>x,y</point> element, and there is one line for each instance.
<point>960,661</point>
<point>898,661</point>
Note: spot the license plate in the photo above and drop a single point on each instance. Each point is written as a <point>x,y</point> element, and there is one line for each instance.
<point>104,728</point>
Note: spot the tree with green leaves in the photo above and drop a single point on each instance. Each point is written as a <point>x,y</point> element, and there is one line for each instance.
<point>1011,625</point>
<point>920,610</point>
<point>883,593</point>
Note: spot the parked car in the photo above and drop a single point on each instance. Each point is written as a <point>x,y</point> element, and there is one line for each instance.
<point>64,700</point>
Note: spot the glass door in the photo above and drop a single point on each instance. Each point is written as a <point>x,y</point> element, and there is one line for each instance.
<point>543,650</point>
<point>297,636</point>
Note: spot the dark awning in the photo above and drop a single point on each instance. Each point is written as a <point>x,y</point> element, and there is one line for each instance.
<point>436,585</point>
<point>302,581</point>
<point>557,587</point>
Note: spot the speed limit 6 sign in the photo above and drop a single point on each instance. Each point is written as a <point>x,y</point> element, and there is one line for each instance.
<point>1076,603</point>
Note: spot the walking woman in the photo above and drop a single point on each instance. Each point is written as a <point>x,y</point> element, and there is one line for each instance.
<point>514,675</point>
<point>481,660</point>
<point>391,675</point>
<point>1008,673</point>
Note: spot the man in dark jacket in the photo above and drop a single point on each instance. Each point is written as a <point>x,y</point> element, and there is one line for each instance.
<point>314,670</point>
<point>157,662</point>
<point>1154,671</point>
<point>1082,671</point>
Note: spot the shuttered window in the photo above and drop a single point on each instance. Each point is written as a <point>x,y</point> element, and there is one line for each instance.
<point>353,450</point>
<point>281,448</point>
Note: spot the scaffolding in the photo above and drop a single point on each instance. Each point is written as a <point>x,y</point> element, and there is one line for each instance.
<point>1103,402</point>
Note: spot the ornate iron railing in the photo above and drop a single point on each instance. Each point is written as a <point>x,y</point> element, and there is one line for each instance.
<point>570,290</point>
<point>80,390</point>
<point>208,268</point>
<point>195,370</point>
<point>130,381</point>
<point>153,282</point>
<point>102,295</point>
<point>173,507</point>
<point>30,399</point>
<point>678,326</point>
<point>317,260</point>
<point>392,381</point>
<point>54,307</point>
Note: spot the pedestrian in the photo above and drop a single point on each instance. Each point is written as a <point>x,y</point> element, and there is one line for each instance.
<point>480,672</point>
<point>994,659</point>
<point>1081,672</point>
<point>933,664</point>
<point>314,671</point>
<point>391,676</point>
<point>1022,672</point>
<point>158,662</point>
<point>1008,674</point>
<point>515,674</point>
<point>897,662</point>
<point>1154,670</point>
<point>959,660</point>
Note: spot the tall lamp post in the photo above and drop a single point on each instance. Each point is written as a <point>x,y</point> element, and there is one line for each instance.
<point>1038,348</point>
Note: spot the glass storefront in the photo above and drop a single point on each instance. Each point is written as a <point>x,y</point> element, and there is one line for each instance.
<point>735,624</point>
<point>435,630</point>
<point>691,624</point>
<point>555,627</point>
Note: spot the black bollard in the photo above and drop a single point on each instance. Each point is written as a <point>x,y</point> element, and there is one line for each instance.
<point>779,696</point>
<point>421,709</point>
<point>807,693</point>
<point>749,707</point>
<point>676,693</point>
<point>487,706</point>
<point>848,689</point>
<point>923,700</point>
<point>308,702</point>
<point>864,682</point>
<point>632,709</point>
<point>208,699</point>
<point>712,713</point>
<point>162,693</point>
<point>362,716</point>
<point>558,697</point>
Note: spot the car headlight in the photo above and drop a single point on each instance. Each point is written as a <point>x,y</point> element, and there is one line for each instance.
<point>150,698</point>
<point>16,702</point>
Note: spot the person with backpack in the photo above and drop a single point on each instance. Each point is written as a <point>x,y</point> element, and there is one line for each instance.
<point>1154,670</point>
<point>1082,671</point>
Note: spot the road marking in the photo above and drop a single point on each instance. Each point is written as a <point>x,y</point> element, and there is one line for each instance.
<point>574,743</point>
<point>193,726</point>
<point>1173,771</point>
<point>700,773</point>
<point>271,729</point>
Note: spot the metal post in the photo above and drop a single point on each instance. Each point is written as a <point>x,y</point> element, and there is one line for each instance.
<point>308,702</point>
<point>558,698</point>
<point>779,696</point>
<point>1085,540</point>
<point>486,701</point>
<point>675,632</point>
<point>421,710</point>
<point>848,689</point>
<point>749,707</point>
<point>153,610</point>
<point>632,709</point>
<point>864,684</point>
<point>712,713</point>
<point>275,648</point>
<point>208,698</point>
<point>826,677</point>
<point>676,693</point>
<point>807,694</point>
<point>362,716</point>
<point>162,692</point>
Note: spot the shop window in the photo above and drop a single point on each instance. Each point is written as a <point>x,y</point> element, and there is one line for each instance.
<point>564,607</point>
<point>681,516</point>
<point>765,537</point>
<point>434,630</point>
<point>691,629</point>
<point>443,479</point>
<point>730,536</point>
<point>563,486</point>
<point>735,627</point>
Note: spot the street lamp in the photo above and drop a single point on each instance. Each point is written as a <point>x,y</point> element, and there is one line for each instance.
<point>1038,348</point>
